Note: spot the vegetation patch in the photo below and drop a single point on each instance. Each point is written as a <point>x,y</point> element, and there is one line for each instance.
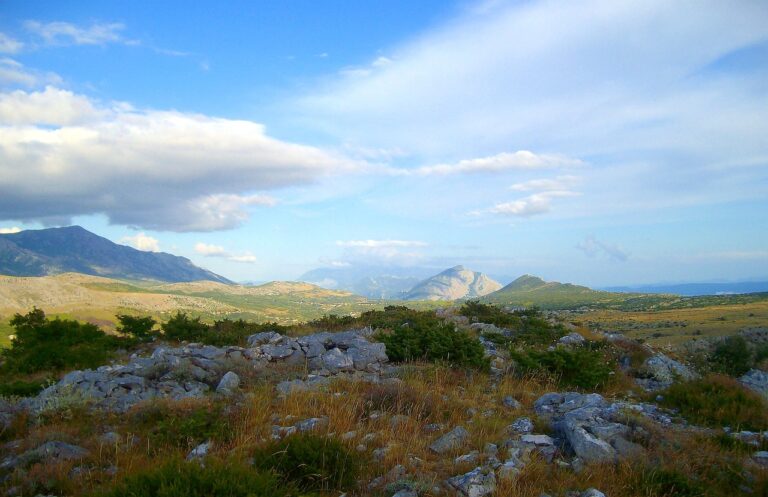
<point>182,425</point>
<point>581,367</point>
<point>659,482</point>
<point>434,342</point>
<point>311,462</point>
<point>176,478</point>
<point>718,401</point>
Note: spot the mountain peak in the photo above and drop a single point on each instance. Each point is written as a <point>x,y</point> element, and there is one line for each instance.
<point>526,282</point>
<point>454,283</point>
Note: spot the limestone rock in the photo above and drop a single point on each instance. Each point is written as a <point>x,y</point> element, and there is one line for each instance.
<point>452,440</point>
<point>756,380</point>
<point>477,483</point>
<point>229,383</point>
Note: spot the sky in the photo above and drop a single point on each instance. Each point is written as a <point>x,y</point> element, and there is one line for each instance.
<point>595,142</point>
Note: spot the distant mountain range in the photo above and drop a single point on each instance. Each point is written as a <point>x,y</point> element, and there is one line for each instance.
<point>696,289</point>
<point>452,284</point>
<point>375,282</point>
<point>74,249</point>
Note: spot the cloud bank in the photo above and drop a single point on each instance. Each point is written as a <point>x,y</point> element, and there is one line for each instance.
<point>64,154</point>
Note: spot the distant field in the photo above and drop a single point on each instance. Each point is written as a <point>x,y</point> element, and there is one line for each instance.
<point>701,317</point>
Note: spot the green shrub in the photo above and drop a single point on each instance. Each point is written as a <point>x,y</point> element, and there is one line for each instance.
<point>137,327</point>
<point>581,367</point>
<point>434,342</point>
<point>732,356</point>
<point>718,401</point>
<point>183,328</point>
<point>182,426</point>
<point>657,482</point>
<point>310,462</point>
<point>22,388</point>
<point>176,478</point>
<point>41,344</point>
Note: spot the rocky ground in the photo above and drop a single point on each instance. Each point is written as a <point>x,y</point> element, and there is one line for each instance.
<point>423,429</point>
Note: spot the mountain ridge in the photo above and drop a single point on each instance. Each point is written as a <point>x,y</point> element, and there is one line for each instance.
<point>53,251</point>
<point>452,284</point>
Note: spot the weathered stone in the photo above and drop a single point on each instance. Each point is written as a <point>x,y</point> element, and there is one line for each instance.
<point>572,339</point>
<point>756,380</point>
<point>588,447</point>
<point>660,371</point>
<point>592,492</point>
<point>510,402</point>
<point>229,383</point>
<point>264,338</point>
<point>199,452</point>
<point>336,360</point>
<point>312,424</point>
<point>470,458</point>
<point>477,483</point>
<point>452,440</point>
<point>521,425</point>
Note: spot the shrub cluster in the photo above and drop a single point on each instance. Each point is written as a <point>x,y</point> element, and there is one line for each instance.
<point>583,367</point>
<point>718,401</point>
<point>435,342</point>
<point>310,462</point>
<point>41,344</point>
<point>733,356</point>
<point>181,327</point>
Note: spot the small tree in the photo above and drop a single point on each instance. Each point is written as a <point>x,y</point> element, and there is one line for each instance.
<point>138,327</point>
<point>182,327</point>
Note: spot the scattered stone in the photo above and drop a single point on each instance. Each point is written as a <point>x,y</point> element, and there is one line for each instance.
<point>761,458</point>
<point>521,425</point>
<point>470,458</point>
<point>312,424</point>
<point>510,403</point>
<point>477,483</point>
<point>406,493</point>
<point>659,372</point>
<point>229,383</point>
<point>199,452</point>
<point>592,492</point>
<point>452,440</point>
<point>572,339</point>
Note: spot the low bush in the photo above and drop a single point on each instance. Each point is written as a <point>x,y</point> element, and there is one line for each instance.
<point>181,327</point>
<point>136,327</point>
<point>181,425</point>
<point>310,462</point>
<point>718,401</point>
<point>658,482</point>
<point>732,356</point>
<point>435,342</point>
<point>22,388</point>
<point>41,344</point>
<point>176,478</point>
<point>582,367</point>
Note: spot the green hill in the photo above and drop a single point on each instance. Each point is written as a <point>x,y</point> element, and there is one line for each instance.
<point>530,290</point>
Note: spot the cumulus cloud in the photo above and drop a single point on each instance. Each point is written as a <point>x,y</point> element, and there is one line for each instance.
<point>209,250</point>
<point>532,205</point>
<point>9,230</point>
<point>65,33</point>
<point>62,154</point>
<point>14,74</point>
<point>142,241</point>
<point>505,161</point>
<point>593,247</point>
<point>9,45</point>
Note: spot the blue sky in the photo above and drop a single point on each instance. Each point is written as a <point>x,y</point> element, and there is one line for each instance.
<point>597,142</point>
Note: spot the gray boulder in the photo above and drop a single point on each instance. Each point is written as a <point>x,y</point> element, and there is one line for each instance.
<point>659,371</point>
<point>756,380</point>
<point>199,452</point>
<point>229,383</point>
<point>477,483</point>
<point>452,440</point>
<point>572,339</point>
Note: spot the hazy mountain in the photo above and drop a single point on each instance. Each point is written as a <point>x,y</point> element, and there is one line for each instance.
<point>377,282</point>
<point>74,249</point>
<point>454,283</point>
<point>696,289</point>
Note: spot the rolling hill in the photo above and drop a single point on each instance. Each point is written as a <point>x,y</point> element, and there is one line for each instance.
<point>530,290</point>
<point>74,249</point>
<point>452,284</point>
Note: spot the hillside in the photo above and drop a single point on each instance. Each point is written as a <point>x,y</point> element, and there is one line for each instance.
<point>375,282</point>
<point>452,284</point>
<point>73,249</point>
<point>530,290</point>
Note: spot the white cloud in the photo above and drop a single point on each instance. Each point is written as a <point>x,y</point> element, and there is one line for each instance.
<point>61,154</point>
<point>51,106</point>
<point>10,230</point>
<point>558,183</point>
<point>380,243</point>
<point>13,73</point>
<point>592,247</point>
<point>208,250</point>
<point>505,161</point>
<point>142,241</point>
<point>538,203</point>
<point>65,33</point>
<point>9,45</point>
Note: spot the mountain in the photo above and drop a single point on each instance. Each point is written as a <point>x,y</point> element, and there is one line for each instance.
<point>375,282</point>
<point>75,249</point>
<point>454,283</point>
<point>530,290</point>
<point>697,289</point>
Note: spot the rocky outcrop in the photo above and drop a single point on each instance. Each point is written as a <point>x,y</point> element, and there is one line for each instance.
<point>659,372</point>
<point>756,380</point>
<point>454,283</point>
<point>193,370</point>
